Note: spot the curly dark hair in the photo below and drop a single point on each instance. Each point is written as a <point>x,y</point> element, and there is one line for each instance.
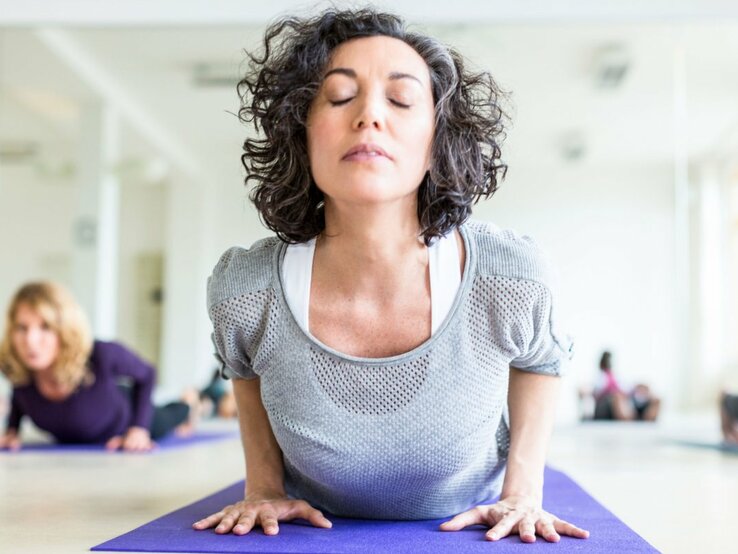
<point>284,78</point>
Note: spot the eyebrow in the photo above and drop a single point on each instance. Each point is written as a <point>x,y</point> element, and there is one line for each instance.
<point>393,76</point>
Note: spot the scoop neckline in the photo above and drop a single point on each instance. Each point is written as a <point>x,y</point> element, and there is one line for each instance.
<point>312,341</point>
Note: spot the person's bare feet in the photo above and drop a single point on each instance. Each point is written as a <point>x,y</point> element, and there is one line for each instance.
<point>191,397</point>
<point>227,406</point>
<point>184,429</point>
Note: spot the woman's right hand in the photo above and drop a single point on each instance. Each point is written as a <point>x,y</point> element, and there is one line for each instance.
<point>242,517</point>
<point>10,440</point>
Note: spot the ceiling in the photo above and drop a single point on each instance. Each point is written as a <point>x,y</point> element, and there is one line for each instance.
<point>559,115</point>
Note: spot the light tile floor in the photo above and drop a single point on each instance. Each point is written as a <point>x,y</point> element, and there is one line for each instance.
<point>680,499</point>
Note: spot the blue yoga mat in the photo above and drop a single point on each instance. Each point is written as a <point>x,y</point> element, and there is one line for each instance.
<point>166,443</point>
<point>563,497</point>
<point>720,446</point>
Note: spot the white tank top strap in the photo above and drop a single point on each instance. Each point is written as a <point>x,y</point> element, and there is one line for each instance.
<point>297,271</point>
<point>445,278</point>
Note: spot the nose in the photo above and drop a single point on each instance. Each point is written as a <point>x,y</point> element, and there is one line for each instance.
<point>370,113</point>
<point>33,337</point>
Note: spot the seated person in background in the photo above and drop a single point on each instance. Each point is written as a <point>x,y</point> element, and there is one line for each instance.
<point>729,417</point>
<point>612,402</point>
<point>69,385</point>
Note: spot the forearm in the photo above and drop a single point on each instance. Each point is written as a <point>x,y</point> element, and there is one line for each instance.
<point>264,466</point>
<point>14,417</point>
<point>124,363</point>
<point>532,405</point>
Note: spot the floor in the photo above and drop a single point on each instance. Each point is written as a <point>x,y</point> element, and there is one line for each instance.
<point>681,499</point>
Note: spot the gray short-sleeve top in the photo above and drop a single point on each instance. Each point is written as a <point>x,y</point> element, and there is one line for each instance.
<point>419,435</point>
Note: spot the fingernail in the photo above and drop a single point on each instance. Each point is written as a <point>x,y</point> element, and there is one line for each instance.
<point>492,536</point>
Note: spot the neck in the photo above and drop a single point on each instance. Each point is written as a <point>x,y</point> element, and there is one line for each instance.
<point>371,245</point>
<point>45,376</point>
<point>377,230</point>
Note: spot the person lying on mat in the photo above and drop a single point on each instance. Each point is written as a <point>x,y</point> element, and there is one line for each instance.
<point>69,385</point>
<point>378,340</point>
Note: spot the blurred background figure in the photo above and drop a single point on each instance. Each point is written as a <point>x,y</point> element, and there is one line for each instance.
<point>729,417</point>
<point>216,399</point>
<point>77,389</point>
<point>609,400</point>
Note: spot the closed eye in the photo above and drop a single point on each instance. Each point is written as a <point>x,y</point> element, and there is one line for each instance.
<point>399,104</point>
<point>346,100</point>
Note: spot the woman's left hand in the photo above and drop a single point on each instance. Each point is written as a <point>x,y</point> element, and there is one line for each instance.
<point>515,515</point>
<point>136,439</point>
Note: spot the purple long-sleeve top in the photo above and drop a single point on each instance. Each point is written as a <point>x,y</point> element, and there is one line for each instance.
<point>97,411</point>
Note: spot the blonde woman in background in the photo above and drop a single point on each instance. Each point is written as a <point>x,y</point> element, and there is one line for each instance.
<point>72,386</point>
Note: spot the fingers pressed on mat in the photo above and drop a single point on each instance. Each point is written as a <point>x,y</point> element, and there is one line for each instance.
<point>547,531</point>
<point>566,528</point>
<point>245,524</point>
<point>464,519</point>
<point>502,528</point>
<point>527,530</point>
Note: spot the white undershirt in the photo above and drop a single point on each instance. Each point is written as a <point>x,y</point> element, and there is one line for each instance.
<point>445,278</point>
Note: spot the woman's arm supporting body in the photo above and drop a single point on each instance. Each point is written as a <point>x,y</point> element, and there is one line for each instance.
<point>532,403</point>
<point>127,364</point>
<point>265,501</point>
<point>11,439</point>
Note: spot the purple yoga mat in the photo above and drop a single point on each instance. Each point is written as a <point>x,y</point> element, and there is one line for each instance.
<point>167,443</point>
<point>563,497</point>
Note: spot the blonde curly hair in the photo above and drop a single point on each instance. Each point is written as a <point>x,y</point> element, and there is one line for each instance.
<point>61,312</point>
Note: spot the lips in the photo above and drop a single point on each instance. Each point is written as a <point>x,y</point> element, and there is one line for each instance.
<point>366,151</point>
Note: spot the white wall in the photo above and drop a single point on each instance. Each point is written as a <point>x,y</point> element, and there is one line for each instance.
<point>142,226</point>
<point>609,233</point>
<point>35,230</point>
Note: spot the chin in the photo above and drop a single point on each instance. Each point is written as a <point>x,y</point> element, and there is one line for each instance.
<point>38,367</point>
<point>374,190</point>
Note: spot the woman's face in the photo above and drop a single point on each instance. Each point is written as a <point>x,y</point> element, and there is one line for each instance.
<point>370,127</point>
<point>35,343</point>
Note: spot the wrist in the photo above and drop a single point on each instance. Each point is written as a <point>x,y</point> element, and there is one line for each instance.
<point>257,494</point>
<point>137,429</point>
<point>526,497</point>
<point>523,482</point>
<point>264,484</point>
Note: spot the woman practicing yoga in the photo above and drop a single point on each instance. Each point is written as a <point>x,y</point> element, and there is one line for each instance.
<point>77,390</point>
<point>377,342</point>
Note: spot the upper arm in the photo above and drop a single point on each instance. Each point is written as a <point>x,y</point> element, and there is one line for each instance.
<point>123,362</point>
<point>239,295</point>
<point>542,347</point>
